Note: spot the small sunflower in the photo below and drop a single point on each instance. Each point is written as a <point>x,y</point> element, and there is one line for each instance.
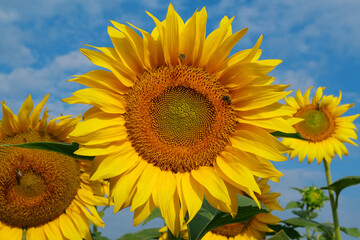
<point>176,119</point>
<point>47,193</point>
<point>323,126</point>
<point>313,197</point>
<point>257,226</point>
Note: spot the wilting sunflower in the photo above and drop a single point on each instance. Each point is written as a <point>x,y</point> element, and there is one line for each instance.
<point>176,119</point>
<point>48,194</point>
<point>257,226</point>
<point>323,126</point>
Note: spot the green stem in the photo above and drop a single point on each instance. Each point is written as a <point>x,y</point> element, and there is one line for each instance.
<point>172,237</point>
<point>308,233</point>
<point>307,228</point>
<point>332,201</point>
<point>95,229</point>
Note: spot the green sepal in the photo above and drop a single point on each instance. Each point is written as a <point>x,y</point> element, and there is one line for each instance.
<point>209,218</point>
<point>59,147</point>
<point>146,234</point>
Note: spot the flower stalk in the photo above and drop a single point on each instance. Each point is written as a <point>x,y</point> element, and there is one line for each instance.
<point>332,201</point>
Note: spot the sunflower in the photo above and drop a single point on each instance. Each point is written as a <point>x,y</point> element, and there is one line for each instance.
<point>323,126</point>
<point>257,226</point>
<point>176,119</point>
<point>48,194</point>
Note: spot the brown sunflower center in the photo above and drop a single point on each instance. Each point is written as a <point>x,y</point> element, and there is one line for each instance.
<point>181,116</point>
<point>318,124</point>
<point>231,230</point>
<point>176,118</point>
<point>35,186</point>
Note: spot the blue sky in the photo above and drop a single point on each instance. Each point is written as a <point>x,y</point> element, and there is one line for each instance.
<point>319,42</point>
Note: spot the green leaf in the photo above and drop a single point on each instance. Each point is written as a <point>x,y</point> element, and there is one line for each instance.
<point>59,147</point>
<point>155,214</point>
<point>301,222</point>
<point>341,184</point>
<point>298,189</point>
<point>300,213</point>
<point>290,231</point>
<point>209,218</point>
<point>287,135</point>
<point>305,214</point>
<point>280,236</point>
<point>146,234</point>
<point>293,204</point>
<point>355,232</point>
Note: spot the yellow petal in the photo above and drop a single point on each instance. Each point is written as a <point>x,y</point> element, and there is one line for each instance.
<point>13,233</point>
<point>193,194</point>
<point>236,173</point>
<point>54,227</point>
<point>101,79</point>
<point>115,164</point>
<point>218,58</point>
<point>127,53</point>
<point>214,39</point>
<point>94,124</point>
<point>100,149</point>
<point>105,61</point>
<point>68,228</point>
<point>34,118</point>
<point>318,95</point>
<point>145,186</point>
<point>257,141</point>
<point>104,100</point>
<point>165,190</point>
<point>213,183</point>
<point>9,121</point>
<point>260,167</point>
<point>121,187</point>
<point>134,39</point>
<point>142,212</point>
<point>171,37</point>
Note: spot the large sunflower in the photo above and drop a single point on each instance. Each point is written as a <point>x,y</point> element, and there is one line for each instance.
<point>48,194</point>
<point>257,226</point>
<point>323,126</point>
<point>176,119</point>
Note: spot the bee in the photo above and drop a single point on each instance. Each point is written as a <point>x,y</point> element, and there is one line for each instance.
<point>18,176</point>
<point>182,57</point>
<point>227,99</point>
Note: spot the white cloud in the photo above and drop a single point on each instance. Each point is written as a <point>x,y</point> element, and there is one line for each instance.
<point>8,16</point>
<point>320,31</point>
<point>19,83</point>
<point>299,79</point>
